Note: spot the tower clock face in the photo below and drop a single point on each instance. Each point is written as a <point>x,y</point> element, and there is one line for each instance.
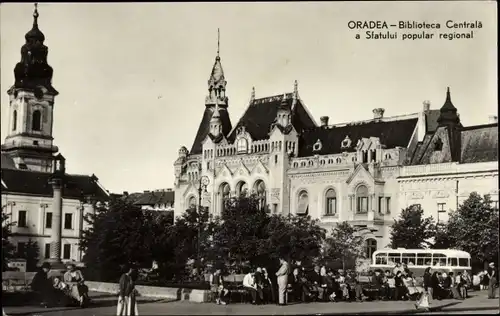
<point>38,93</point>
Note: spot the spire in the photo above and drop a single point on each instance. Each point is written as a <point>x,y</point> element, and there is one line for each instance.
<point>218,44</point>
<point>217,82</point>
<point>295,90</point>
<point>33,71</point>
<point>252,96</point>
<point>448,111</point>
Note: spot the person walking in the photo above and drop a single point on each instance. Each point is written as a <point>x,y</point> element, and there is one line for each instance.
<point>493,279</point>
<point>42,286</point>
<point>282,278</point>
<point>126,301</point>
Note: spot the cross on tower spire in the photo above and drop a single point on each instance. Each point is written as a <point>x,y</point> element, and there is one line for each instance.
<point>35,14</point>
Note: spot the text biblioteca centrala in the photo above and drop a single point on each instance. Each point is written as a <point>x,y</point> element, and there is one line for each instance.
<point>413,30</point>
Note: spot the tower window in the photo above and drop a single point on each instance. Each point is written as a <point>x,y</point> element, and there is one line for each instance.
<point>14,120</point>
<point>438,144</point>
<point>36,121</point>
<point>242,145</point>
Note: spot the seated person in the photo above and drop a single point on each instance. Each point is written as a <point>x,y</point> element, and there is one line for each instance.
<point>356,288</point>
<point>315,280</point>
<point>343,286</point>
<point>250,285</point>
<point>74,279</point>
<point>217,287</point>
<point>268,287</point>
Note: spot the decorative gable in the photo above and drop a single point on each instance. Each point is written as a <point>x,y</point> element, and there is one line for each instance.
<point>224,171</point>
<point>242,170</point>
<point>360,174</point>
<point>260,168</point>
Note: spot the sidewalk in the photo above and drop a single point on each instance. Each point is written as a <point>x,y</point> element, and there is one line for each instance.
<point>105,304</point>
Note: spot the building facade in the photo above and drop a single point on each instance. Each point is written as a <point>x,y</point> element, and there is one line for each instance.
<point>362,172</point>
<point>44,203</point>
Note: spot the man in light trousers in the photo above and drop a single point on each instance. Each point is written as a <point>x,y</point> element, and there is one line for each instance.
<point>282,276</point>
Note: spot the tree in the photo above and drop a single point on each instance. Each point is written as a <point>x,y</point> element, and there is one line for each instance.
<point>293,237</point>
<point>243,228</point>
<point>7,247</point>
<point>118,234</point>
<point>343,245</point>
<point>31,254</point>
<point>412,230</point>
<point>442,239</point>
<point>474,228</point>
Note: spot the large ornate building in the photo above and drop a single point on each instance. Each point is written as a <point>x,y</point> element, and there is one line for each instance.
<point>363,172</point>
<point>45,204</point>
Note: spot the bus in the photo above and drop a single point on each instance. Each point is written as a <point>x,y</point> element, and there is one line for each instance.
<point>417,260</point>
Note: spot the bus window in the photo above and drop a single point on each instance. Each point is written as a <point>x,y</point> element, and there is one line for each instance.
<point>463,262</point>
<point>394,258</point>
<point>409,258</point>
<point>381,258</point>
<point>438,259</point>
<point>453,262</point>
<point>424,259</point>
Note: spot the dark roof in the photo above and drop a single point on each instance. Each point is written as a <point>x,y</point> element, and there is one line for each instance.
<point>261,113</point>
<point>151,197</point>
<point>37,183</point>
<point>391,134</point>
<point>204,127</point>
<point>7,162</point>
<point>432,120</point>
<point>479,143</point>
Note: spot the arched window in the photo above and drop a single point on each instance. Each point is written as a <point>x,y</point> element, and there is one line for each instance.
<point>371,247</point>
<point>330,203</point>
<point>241,189</point>
<point>225,194</point>
<point>242,145</point>
<point>362,199</point>
<point>36,121</point>
<point>260,189</point>
<point>192,202</point>
<point>14,120</point>
<point>303,203</point>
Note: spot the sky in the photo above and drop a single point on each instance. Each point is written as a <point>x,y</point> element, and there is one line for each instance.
<point>133,77</point>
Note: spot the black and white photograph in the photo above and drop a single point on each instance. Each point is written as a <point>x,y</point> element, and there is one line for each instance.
<point>249,158</point>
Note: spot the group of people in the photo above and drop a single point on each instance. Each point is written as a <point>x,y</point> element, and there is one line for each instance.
<point>66,290</point>
<point>439,285</point>
<point>322,284</point>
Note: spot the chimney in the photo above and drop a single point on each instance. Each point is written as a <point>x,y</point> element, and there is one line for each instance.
<point>324,121</point>
<point>378,113</point>
<point>427,105</point>
<point>493,119</point>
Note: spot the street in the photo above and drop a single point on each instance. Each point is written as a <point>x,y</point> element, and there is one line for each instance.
<point>105,304</point>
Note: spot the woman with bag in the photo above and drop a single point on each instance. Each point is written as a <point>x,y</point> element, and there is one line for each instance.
<point>127,296</point>
<point>424,302</point>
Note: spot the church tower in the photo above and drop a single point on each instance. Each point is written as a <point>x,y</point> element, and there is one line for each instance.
<point>215,101</point>
<point>29,140</point>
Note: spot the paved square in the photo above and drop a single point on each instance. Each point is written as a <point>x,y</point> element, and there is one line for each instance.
<point>105,305</point>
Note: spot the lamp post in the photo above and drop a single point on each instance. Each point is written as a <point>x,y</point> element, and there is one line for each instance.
<point>201,185</point>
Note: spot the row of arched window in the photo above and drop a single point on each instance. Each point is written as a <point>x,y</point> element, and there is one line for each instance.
<point>330,202</point>
<point>36,121</point>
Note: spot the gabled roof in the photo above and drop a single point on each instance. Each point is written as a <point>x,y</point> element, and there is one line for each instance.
<point>394,133</point>
<point>479,143</point>
<point>261,113</point>
<point>27,182</point>
<point>204,127</point>
<point>153,197</point>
